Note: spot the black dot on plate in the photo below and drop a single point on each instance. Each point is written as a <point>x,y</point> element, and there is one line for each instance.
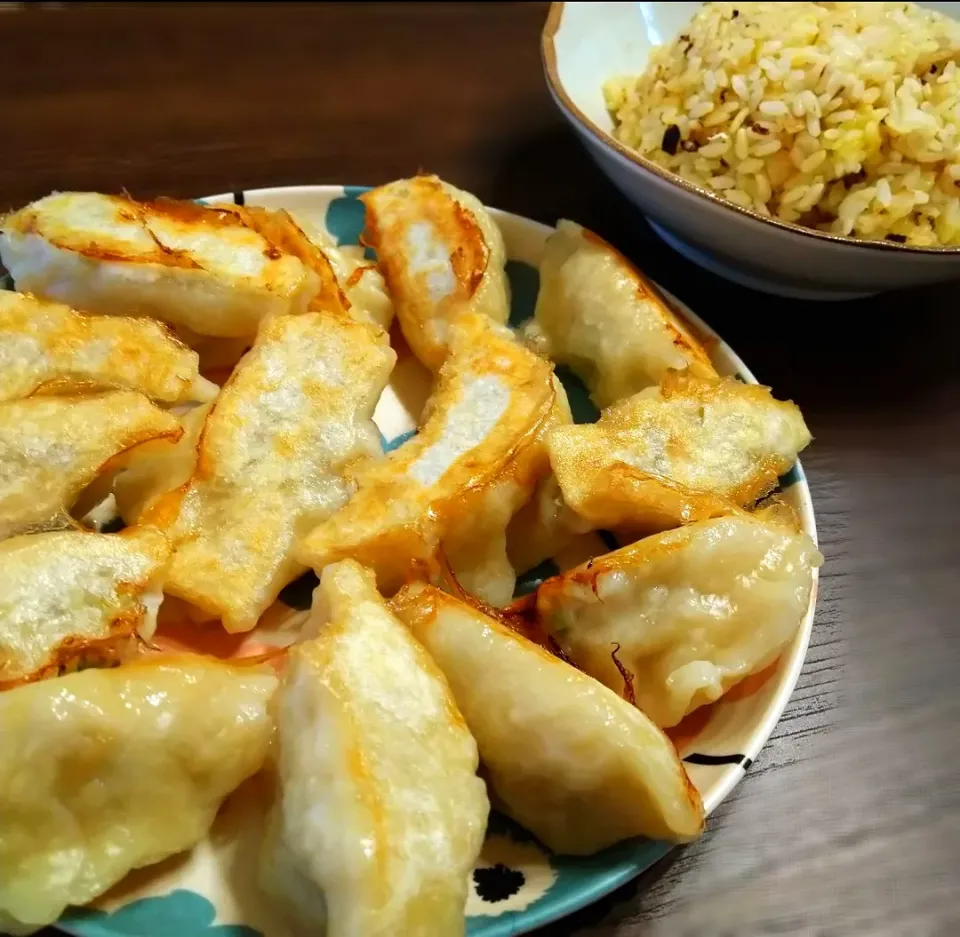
<point>498,882</point>
<point>239,197</point>
<point>299,594</point>
<point>696,758</point>
<point>113,526</point>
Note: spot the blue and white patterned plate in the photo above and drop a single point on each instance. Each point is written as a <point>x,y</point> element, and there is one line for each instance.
<point>517,885</point>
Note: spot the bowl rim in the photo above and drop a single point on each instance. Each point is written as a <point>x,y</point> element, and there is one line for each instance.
<point>548,54</point>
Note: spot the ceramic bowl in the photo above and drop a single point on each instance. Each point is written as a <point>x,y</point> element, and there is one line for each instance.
<point>584,44</point>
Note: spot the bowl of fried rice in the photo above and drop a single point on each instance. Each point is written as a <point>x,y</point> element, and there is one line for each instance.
<point>804,149</point>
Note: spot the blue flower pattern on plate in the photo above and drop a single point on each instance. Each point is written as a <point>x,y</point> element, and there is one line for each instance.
<point>182,913</point>
<point>344,218</point>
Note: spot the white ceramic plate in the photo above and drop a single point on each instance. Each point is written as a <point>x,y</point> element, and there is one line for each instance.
<point>517,885</point>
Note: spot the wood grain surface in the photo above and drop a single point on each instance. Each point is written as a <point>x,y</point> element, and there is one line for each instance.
<point>849,822</point>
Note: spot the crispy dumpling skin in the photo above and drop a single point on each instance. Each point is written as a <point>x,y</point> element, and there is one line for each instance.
<point>362,283</point>
<point>158,467</point>
<point>272,455</point>
<point>569,759</point>
<point>682,452</point>
<point>180,262</point>
<point>690,612</point>
<point>380,815</point>
<point>544,525</point>
<point>51,448</point>
<point>279,229</point>
<point>481,429</point>
<point>106,771</point>
<point>48,346</point>
<point>345,280</point>
<point>478,549</point>
<point>73,597</point>
<point>441,254</point>
<point>360,280</point>
<point>600,316</point>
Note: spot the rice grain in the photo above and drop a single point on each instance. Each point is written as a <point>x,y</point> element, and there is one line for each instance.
<point>843,115</point>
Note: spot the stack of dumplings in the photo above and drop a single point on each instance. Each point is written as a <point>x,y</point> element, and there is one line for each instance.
<point>187,397</point>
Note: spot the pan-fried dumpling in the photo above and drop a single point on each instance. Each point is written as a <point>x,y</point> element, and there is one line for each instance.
<point>380,815</point>
<point>476,546</point>
<point>279,229</point>
<point>441,254</point>
<point>109,770</point>
<point>363,284</point>
<point>478,550</point>
<point>272,456</point>
<point>180,262</point>
<point>544,525</point>
<point>73,598</point>
<point>569,759</point>
<point>600,316</point>
<point>682,452</point>
<point>359,278</point>
<point>353,284</point>
<point>689,612</point>
<point>481,429</point>
<point>51,448</point>
<point>158,467</point>
<point>48,346</point>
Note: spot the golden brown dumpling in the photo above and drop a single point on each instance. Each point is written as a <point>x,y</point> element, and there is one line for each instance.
<point>475,460</point>
<point>109,770</point>
<point>598,314</point>
<point>380,815</point>
<point>685,451</point>
<point>689,612</point>
<point>272,458</point>
<point>70,598</point>
<point>441,254</point>
<point>569,759</point>
<point>478,549</point>
<point>47,346</point>
<point>51,448</point>
<point>180,262</point>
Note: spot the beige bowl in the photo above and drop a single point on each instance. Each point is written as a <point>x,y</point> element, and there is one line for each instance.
<point>583,44</point>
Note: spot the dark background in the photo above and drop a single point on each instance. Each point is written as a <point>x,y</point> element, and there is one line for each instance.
<point>848,824</point>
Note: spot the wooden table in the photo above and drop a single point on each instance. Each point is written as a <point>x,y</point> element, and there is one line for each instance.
<point>849,822</point>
